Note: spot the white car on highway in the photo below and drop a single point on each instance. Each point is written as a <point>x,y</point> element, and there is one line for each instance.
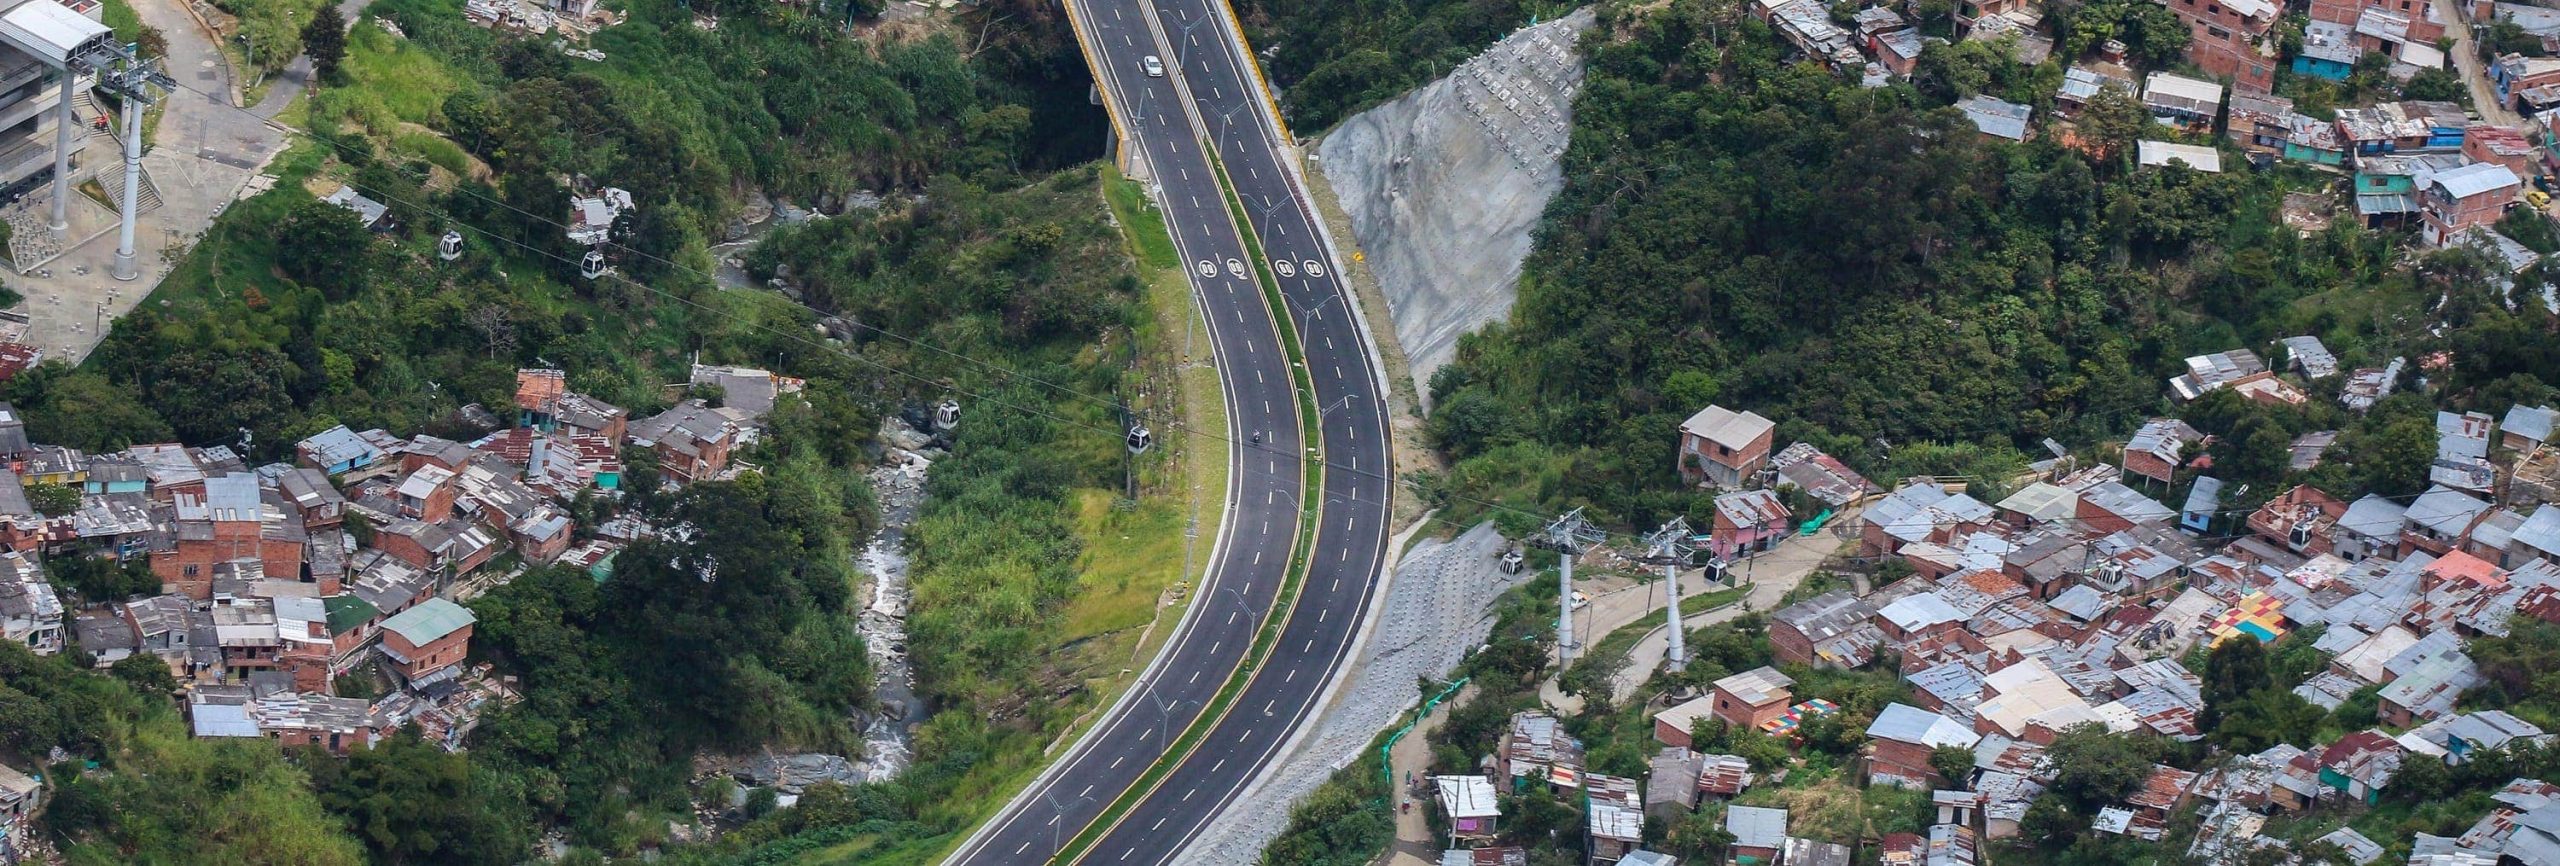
<point>1154,66</point>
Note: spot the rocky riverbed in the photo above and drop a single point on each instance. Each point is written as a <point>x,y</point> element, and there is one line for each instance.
<point>898,481</point>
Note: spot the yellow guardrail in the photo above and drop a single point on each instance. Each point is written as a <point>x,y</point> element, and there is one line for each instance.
<point>1254,64</point>
<point>1110,106</point>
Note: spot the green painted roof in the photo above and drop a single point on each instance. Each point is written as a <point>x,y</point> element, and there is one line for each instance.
<point>431,619</point>
<point>348,611</point>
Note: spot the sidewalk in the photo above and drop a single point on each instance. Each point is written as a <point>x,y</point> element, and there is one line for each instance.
<point>202,153</point>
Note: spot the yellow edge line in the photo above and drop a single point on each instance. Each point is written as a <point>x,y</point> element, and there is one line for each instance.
<point>1255,65</point>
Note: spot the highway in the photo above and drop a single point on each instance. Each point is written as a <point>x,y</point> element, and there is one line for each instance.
<point>1210,94</point>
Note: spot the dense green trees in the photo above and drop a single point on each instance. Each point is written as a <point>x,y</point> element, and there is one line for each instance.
<point>1333,59</point>
<point>324,40</point>
<point>159,796</point>
<point>413,802</point>
<point>1859,265</point>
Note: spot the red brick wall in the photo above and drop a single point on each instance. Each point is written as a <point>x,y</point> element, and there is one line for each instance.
<point>1791,646</point>
<point>2099,521</point>
<point>1742,715</point>
<point>405,549</point>
<point>2149,465</point>
<point>438,653</point>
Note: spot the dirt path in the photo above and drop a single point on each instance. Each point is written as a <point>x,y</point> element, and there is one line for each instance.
<point>1411,758</point>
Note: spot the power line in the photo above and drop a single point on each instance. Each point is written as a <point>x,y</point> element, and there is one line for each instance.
<point>1173,424</point>
<point>1001,370</point>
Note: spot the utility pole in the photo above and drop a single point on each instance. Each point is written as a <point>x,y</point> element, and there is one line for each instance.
<point>1568,536</point>
<point>1672,545</point>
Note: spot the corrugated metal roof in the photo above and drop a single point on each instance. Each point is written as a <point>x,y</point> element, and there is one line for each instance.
<point>2479,178</point>
<point>431,619</point>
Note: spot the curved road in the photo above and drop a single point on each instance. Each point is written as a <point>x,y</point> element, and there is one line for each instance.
<point>1211,94</point>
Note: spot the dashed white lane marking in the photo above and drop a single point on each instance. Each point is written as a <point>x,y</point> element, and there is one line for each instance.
<point>1214,645</point>
<point>1115,762</point>
<point>1293,675</point>
<point>1221,763</point>
<point>1231,617</point>
<point>1025,845</point>
<point>1267,705</point>
<point>1088,789</point>
<point>1195,676</point>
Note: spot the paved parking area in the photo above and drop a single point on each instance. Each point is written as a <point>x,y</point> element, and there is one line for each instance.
<point>202,153</point>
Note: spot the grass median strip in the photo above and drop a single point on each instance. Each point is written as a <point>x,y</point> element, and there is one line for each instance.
<point>1309,500</point>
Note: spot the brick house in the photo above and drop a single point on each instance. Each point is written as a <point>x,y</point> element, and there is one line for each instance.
<point>1828,630</point>
<point>2113,507</point>
<point>2300,520</point>
<point>1746,699</point>
<point>2158,449</point>
<point>428,639</point>
<point>427,494</point>
<point>2485,143</point>
<point>2231,39</point>
<point>692,440</point>
<point>458,546</point>
<point>230,518</point>
<point>2473,195</point>
<point>1722,447</point>
<point>2423,26</point>
<point>1901,739</point>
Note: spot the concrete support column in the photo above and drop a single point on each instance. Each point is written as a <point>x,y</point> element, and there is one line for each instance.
<point>124,268</point>
<point>63,122</point>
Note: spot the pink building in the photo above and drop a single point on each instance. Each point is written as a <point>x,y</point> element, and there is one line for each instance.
<point>1749,522</point>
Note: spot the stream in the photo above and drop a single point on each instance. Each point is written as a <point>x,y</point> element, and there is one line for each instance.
<point>888,739</point>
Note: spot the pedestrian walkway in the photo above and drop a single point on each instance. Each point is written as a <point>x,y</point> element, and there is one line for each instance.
<point>1415,846</point>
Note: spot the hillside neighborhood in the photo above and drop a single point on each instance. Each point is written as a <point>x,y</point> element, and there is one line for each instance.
<point>2080,604</point>
<point>315,603</point>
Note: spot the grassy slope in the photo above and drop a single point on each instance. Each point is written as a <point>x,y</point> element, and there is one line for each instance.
<point>1131,555</point>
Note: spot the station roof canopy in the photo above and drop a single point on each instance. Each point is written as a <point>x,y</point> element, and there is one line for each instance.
<point>51,32</point>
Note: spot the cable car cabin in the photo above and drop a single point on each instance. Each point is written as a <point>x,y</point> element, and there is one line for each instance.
<point>449,247</point>
<point>592,266</point>
<point>1140,439</point>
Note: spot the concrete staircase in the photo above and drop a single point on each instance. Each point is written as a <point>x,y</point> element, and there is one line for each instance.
<point>113,178</point>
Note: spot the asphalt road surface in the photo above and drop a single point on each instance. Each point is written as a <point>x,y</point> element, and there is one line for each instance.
<point>1226,105</point>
